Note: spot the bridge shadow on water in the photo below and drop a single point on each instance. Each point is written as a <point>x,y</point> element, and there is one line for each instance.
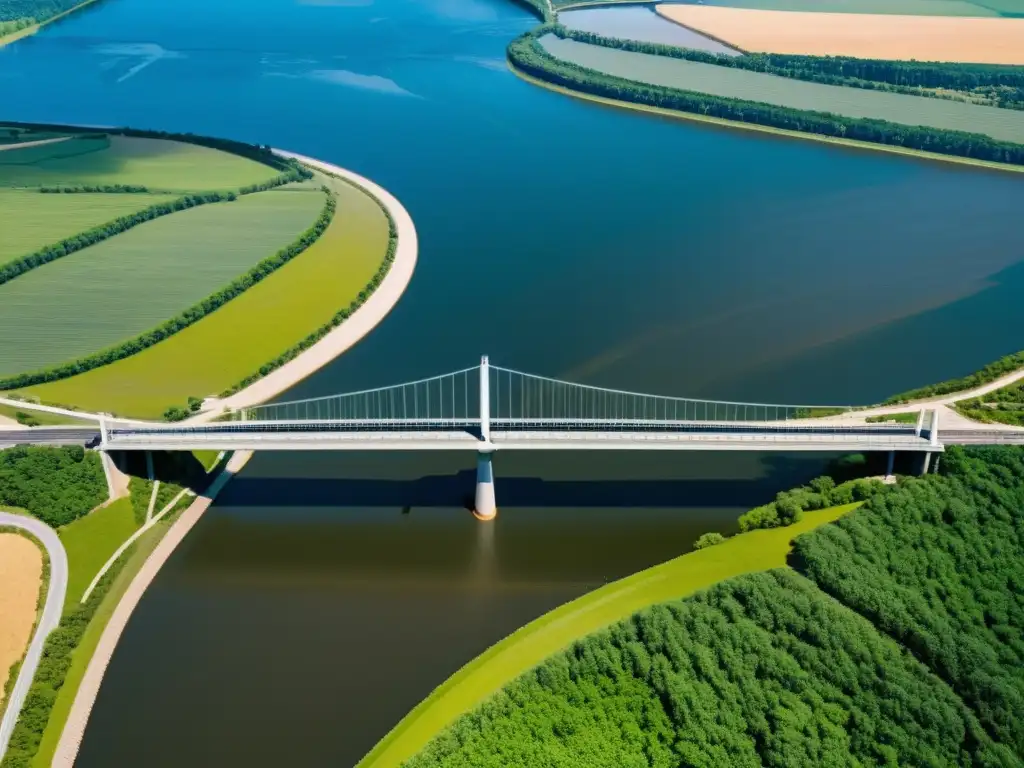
<point>522,491</point>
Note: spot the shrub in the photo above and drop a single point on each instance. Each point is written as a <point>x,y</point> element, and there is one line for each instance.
<point>708,540</point>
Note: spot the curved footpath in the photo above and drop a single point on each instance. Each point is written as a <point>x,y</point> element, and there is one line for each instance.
<point>364,320</point>
<point>78,718</point>
<point>48,621</point>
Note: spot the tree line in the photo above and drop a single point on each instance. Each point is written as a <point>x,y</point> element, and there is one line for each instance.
<point>258,152</point>
<point>24,13</point>
<point>530,57</point>
<point>1003,85</point>
<point>186,318</point>
<point>69,245</point>
<point>989,373</point>
<point>894,640</point>
<point>56,485</point>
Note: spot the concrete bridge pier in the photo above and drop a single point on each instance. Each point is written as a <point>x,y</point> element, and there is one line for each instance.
<point>889,466</point>
<point>485,507</point>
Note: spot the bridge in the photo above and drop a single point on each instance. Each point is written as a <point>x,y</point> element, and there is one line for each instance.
<point>488,408</point>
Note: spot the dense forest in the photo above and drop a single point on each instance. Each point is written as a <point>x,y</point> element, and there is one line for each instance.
<point>999,85</point>
<point>895,639</point>
<point>57,485</point>
<point>18,14</point>
<point>530,57</point>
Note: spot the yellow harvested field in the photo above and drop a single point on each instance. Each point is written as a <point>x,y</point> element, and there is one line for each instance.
<point>21,573</point>
<point>866,36</point>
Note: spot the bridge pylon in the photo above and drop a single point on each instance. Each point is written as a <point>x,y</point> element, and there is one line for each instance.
<point>485,506</point>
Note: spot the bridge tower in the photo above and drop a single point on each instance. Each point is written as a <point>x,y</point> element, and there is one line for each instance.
<point>485,506</point>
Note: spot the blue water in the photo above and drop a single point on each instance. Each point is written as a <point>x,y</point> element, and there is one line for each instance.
<point>305,613</point>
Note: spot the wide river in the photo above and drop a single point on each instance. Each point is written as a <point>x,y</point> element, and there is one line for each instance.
<point>306,613</point>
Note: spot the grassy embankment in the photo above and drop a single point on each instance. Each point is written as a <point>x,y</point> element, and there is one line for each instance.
<point>249,330</point>
<point>899,7</point>
<point>133,561</point>
<point>29,417</point>
<point>892,639</point>
<point>745,553</point>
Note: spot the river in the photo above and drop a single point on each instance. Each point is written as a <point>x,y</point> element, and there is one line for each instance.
<point>307,612</point>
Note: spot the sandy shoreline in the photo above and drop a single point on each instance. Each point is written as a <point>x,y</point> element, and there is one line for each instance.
<point>85,698</point>
<point>364,320</point>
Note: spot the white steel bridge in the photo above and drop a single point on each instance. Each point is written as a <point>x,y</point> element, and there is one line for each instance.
<point>488,408</point>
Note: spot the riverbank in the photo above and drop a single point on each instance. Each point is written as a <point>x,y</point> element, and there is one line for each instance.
<point>371,313</point>
<point>28,31</point>
<point>745,553</point>
<point>782,132</point>
<point>72,730</point>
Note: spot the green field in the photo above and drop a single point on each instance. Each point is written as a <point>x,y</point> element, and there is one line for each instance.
<point>29,220</point>
<point>1004,124</point>
<point>123,286</point>
<point>91,540</point>
<point>249,330</point>
<point>901,7</point>
<point>155,163</point>
<point>746,553</point>
<point>42,418</point>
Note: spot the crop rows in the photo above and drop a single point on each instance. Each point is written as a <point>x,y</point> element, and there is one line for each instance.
<point>1007,125</point>
<point>121,287</point>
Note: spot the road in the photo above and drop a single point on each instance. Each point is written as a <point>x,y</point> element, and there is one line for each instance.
<point>47,436</point>
<point>47,623</point>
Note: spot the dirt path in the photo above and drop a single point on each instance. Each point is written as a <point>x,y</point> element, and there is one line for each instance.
<point>21,573</point>
<point>27,144</point>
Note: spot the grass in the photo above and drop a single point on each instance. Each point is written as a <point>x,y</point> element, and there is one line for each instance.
<point>155,163</point>
<point>207,458</point>
<point>530,645</point>
<point>41,418</point>
<point>246,332</point>
<point>901,7</point>
<point>32,220</point>
<point>1004,124</point>
<point>83,653</point>
<point>123,286</point>
<point>91,540</point>
<point>899,418</point>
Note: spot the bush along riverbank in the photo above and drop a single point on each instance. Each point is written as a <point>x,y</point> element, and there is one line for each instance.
<point>189,316</point>
<point>893,638</point>
<point>527,55</point>
<point>988,374</point>
<point>998,85</point>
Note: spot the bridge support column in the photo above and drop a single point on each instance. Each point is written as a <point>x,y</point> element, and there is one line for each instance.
<point>485,506</point>
<point>889,466</point>
<point>925,463</point>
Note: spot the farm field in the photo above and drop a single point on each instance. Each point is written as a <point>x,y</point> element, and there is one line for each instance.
<point>866,36</point>
<point>123,286</point>
<point>249,330</point>
<point>21,572</point>
<point>155,163</point>
<point>30,220</point>
<point>897,7</point>
<point>1004,124</point>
